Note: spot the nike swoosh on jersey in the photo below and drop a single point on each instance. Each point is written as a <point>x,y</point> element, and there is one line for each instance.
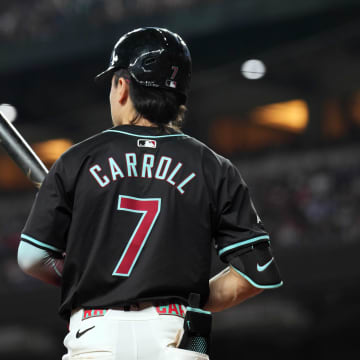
<point>261,268</point>
<point>81,333</point>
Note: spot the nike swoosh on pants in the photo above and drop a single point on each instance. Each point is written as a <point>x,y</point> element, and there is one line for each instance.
<point>79,334</point>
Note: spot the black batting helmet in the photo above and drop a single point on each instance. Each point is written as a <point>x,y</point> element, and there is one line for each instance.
<point>154,57</point>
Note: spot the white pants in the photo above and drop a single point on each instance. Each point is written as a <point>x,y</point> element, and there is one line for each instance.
<point>126,335</point>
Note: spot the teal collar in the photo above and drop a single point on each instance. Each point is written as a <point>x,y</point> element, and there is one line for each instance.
<point>145,131</point>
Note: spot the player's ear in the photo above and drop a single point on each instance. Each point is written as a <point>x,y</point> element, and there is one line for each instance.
<point>123,90</point>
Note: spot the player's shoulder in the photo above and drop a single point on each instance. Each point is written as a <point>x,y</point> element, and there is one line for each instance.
<point>216,169</point>
<point>85,147</point>
<point>208,154</point>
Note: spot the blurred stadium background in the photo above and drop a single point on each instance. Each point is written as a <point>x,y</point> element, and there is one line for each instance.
<point>294,134</point>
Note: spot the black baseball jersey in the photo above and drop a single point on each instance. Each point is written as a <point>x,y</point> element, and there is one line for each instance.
<point>135,210</point>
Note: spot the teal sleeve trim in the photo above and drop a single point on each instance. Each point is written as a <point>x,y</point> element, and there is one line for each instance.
<point>242,243</point>
<point>198,310</point>
<point>37,242</point>
<point>253,283</point>
<point>146,136</point>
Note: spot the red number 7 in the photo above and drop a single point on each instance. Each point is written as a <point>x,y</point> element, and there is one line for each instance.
<point>150,209</point>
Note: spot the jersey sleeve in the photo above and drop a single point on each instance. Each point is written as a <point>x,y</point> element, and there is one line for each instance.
<point>238,224</point>
<point>50,216</point>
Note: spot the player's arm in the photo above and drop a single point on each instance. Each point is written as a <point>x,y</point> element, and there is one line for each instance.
<point>242,243</point>
<point>251,270</point>
<point>43,239</point>
<point>39,263</point>
<point>228,289</point>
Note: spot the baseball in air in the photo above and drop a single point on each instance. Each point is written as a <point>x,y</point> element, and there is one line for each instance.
<point>253,69</point>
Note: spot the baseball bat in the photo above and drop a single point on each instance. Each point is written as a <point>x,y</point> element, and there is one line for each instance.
<point>21,152</point>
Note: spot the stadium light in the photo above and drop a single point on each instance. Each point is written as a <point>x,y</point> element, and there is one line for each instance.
<point>9,111</point>
<point>290,116</point>
<point>49,151</point>
<point>253,69</point>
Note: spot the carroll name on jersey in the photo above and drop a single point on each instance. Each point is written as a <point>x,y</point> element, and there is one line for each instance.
<point>149,167</point>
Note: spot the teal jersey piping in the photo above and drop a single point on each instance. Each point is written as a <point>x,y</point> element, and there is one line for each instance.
<point>146,136</point>
<point>241,243</point>
<point>253,283</point>
<point>37,242</point>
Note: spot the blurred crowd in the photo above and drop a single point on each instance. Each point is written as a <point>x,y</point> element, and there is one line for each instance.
<point>43,18</point>
<point>309,199</point>
<point>14,208</point>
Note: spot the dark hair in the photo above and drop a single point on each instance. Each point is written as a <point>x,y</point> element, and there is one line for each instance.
<point>160,106</point>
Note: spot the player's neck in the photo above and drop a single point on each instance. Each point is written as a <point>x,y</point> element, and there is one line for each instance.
<point>135,121</point>
<point>132,118</point>
<point>124,113</point>
<point>141,122</point>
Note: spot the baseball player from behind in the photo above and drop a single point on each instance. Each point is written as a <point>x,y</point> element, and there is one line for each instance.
<point>125,220</point>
